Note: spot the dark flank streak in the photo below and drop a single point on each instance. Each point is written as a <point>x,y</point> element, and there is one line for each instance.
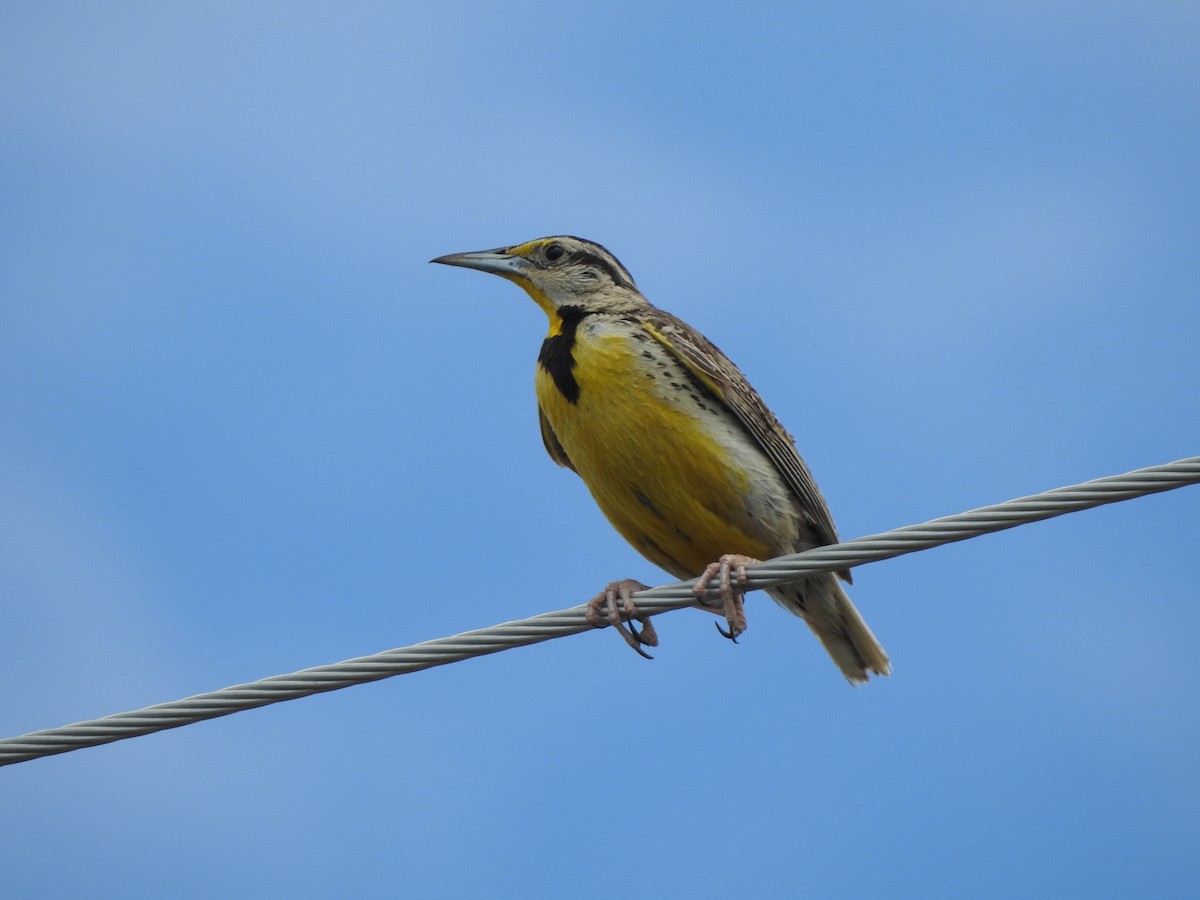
<point>556,357</point>
<point>649,504</point>
<point>657,554</point>
<point>646,502</point>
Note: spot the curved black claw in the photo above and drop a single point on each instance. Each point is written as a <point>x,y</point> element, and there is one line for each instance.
<point>730,572</point>
<point>632,637</point>
<point>637,635</point>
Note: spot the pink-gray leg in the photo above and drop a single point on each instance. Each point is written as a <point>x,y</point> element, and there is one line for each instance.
<point>627,611</point>
<point>730,572</point>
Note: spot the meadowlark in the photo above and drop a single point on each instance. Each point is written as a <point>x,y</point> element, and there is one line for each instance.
<point>680,452</point>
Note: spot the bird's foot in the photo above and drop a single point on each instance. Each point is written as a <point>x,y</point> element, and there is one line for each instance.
<point>603,610</point>
<point>730,572</point>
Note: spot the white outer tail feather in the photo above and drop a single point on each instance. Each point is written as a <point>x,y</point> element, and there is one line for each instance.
<point>827,610</point>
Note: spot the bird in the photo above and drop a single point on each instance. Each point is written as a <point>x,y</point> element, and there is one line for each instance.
<point>680,453</point>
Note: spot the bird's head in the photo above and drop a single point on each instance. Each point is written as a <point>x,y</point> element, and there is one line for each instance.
<point>556,272</point>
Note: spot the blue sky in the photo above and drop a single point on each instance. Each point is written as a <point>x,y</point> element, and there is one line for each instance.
<point>245,429</point>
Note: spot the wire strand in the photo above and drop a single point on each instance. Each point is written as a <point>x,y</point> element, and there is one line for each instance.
<point>653,601</point>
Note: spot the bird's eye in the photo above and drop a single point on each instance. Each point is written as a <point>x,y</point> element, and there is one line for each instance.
<point>554,252</point>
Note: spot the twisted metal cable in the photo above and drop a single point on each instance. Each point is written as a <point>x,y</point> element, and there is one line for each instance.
<point>564,622</point>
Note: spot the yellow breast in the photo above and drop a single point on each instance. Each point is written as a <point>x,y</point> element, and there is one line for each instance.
<point>664,460</point>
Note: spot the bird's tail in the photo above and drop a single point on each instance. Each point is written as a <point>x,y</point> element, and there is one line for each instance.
<point>821,602</point>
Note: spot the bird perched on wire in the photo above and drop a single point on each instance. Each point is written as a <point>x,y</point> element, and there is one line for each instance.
<point>676,447</point>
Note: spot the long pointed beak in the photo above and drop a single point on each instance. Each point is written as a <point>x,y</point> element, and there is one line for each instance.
<point>498,262</point>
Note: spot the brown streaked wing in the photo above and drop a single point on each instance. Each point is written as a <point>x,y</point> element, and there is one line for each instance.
<point>704,360</point>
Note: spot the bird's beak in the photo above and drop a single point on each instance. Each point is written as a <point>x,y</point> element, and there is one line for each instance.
<point>498,262</point>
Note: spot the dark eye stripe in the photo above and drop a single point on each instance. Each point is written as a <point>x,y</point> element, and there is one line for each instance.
<point>616,273</point>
